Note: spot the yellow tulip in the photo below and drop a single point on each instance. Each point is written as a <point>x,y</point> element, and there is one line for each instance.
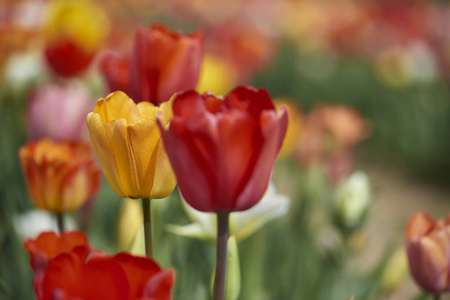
<point>128,143</point>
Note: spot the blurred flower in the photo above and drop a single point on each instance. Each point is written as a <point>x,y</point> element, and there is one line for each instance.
<point>162,63</point>
<point>295,126</point>
<point>60,176</point>
<point>242,224</point>
<point>331,132</point>
<point>58,112</point>
<point>223,151</point>
<point>31,223</point>
<point>395,271</point>
<point>130,224</point>
<point>352,201</point>
<point>116,70</point>
<point>73,271</point>
<point>246,47</point>
<point>74,31</point>
<point>22,70</point>
<point>216,76</point>
<point>427,245</point>
<point>49,245</point>
<point>128,144</point>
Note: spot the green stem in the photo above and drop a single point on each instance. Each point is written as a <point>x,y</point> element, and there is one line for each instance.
<point>146,208</point>
<point>221,258</point>
<point>60,221</point>
<point>437,297</point>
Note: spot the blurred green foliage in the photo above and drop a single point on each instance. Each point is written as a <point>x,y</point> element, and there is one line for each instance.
<point>409,124</point>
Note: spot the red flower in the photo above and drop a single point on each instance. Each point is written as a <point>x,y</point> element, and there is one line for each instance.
<point>162,63</point>
<point>223,151</point>
<point>49,245</point>
<point>116,69</point>
<point>428,245</point>
<point>123,277</point>
<point>66,58</point>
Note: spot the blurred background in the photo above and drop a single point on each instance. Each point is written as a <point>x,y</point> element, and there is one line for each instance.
<point>367,88</point>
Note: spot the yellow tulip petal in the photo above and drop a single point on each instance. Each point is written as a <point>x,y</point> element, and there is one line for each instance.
<point>126,164</point>
<point>147,110</point>
<point>143,137</point>
<point>103,148</point>
<point>165,180</point>
<point>166,111</point>
<point>116,106</point>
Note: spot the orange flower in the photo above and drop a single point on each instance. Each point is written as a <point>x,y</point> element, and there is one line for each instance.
<point>49,245</point>
<point>162,63</point>
<point>69,269</point>
<point>428,245</point>
<point>60,176</point>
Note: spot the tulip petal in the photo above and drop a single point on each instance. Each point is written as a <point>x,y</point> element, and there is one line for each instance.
<point>273,129</point>
<point>152,166</point>
<point>105,153</point>
<point>116,106</point>
<point>240,142</point>
<point>428,264</point>
<point>191,161</point>
<point>127,166</point>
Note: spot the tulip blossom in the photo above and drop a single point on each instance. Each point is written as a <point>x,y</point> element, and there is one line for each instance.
<point>223,151</point>
<point>242,224</point>
<point>49,245</point>
<point>128,144</point>
<point>162,63</point>
<point>427,245</point>
<point>73,271</point>
<point>60,176</point>
<point>58,112</point>
<point>74,31</point>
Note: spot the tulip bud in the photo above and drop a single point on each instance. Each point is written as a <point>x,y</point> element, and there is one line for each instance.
<point>427,245</point>
<point>352,201</point>
<point>395,271</point>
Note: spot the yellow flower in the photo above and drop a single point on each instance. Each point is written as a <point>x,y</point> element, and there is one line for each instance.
<point>80,21</point>
<point>128,143</point>
<point>216,76</point>
<point>295,127</point>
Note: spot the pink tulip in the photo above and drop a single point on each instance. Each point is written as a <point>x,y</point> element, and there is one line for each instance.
<point>58,112</point>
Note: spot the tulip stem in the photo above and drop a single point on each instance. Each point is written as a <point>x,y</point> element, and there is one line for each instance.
<point>146,208</point>
<point>437,297</point>
<point>221,259</point>
<point>60,221</point>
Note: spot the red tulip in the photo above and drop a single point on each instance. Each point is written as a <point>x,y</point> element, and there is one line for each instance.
<point>116,70</point>
<point>162,63</point>
<point>428,247</point>
<point>122,277</point>
<point>49,245</point>
<point>223,151</point>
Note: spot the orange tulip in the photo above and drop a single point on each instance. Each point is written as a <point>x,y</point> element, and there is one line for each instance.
<point>162,63</point>
<point>428,247</point>
<point>60,176</point>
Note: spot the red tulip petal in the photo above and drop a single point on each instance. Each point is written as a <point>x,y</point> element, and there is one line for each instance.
<point>249,99</point>
<point>68,275</point>
<point>160,285</point>
<point>419,225</point>
<point>240,143</point>
<point>49,245</point>
<point>192,154</point>
<point>273,129</point>
<point>137,270</point>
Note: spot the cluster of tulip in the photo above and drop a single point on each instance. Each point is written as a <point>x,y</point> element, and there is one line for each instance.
<point>220,153</point>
